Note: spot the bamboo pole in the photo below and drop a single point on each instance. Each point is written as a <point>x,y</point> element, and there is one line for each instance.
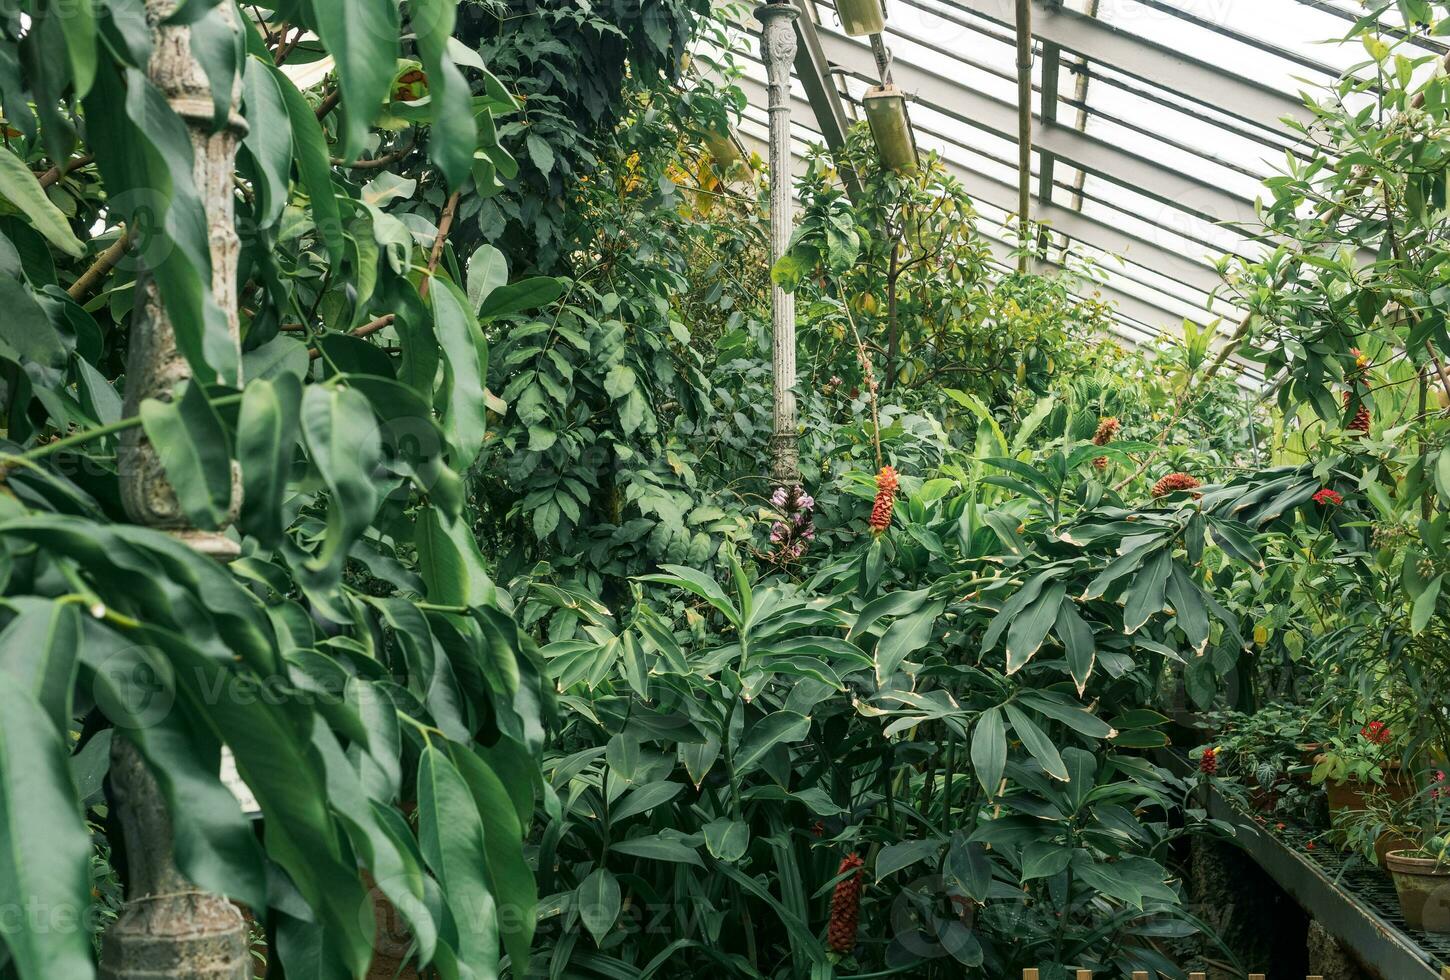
<point>1024,127</point>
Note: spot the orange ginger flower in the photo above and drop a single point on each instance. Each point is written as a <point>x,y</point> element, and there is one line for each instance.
<point>1173,482</point>
<point>886,485</point>
<point>846,902</point>
<point>1107,430</point>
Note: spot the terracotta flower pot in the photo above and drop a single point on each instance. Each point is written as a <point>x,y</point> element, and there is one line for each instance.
<point>1423,886</point>
<point>1349,794</point>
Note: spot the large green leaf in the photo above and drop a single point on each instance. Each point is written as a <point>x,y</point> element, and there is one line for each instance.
<point>454,134</point>
<point>27,337</point>
<point>144,152</point>
<point>503,840</point>
<point>362,37</point>
<point>45,851</point>
<point>1036,742</point>
<point>268,141</point>
<point>770,731</point>
<point>450,562</point>
<point>193,447</point>
<point>451,834</point>
<point>1030,627</point>
<point>465,419</point>
<point>40,646</point>
<point>314,166</point>
<point>903,638</point>
<point>342,440</point>
<point>19,186</point>
<point>271,740</point>
<point>989,750</point>
<point>134,686</point>
<point>526,294</point>
<point>598,900</point>
<point>267,429</point>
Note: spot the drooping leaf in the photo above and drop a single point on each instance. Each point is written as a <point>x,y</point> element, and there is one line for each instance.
<point>193,446</point>
<point>45,850</point>
<point>267,430</point>
<point>20,187</point>
<point>362,37</point>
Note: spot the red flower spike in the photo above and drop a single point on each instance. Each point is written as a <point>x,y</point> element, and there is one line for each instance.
<point>886,485</point>
<point>1107,429</point>
<point>1174,482</point>
<point>845,907</point>
<point>1208,762</point>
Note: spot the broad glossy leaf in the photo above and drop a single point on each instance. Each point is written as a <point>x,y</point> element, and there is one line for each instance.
<point>488,270</point>
<point>20,187</point>
<point>40,646</point>
<point>450,832</point>
<point>193,446</point>
<point>267,430</point>
<point>454,134</point>
<point>598,900</point>
<point>526,294</point>
<point>644,799</point>
<point>145,156</point>
<point>727,839</point>
<point>1031,626</point>
<point>314,166</point>
<point>1036,742</point>
<point>465,419</point>
<point>1077,641</point>
<point>503,840</point>
<point>989,750</point>
<point>342,440</point>
<point>45,850</point>
<point>268,141</point>
<point>362,37</point>
<point>774,729</point>
<point>903,638</point>
<point>27,336</point>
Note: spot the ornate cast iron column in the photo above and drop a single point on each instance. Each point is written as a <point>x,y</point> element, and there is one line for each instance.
<point>169,929</point>
<point>778,47</point>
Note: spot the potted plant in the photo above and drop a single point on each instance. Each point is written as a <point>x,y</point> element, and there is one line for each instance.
<point>1421,871</point>
<point>1352,766</point>
<point>1262,754</point>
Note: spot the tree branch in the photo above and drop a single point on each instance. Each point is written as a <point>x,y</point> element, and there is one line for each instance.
<point>100,268</point>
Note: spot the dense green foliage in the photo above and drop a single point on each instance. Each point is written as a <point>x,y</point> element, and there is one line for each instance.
<point>520,641</point>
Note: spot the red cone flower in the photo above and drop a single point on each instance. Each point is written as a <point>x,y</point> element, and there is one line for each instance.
<point>886,484</point>
<point>1361,420</point>
<point>1173,482</point>
<point>1107,429</point>
<point>1208,762</point>
<point>845,906</point>
<point>1100,462</point>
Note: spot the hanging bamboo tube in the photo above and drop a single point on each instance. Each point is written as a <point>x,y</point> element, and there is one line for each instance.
<point>1024,125</point>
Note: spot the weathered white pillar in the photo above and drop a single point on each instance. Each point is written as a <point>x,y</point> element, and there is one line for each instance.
<point>154,365</point>
<point>169,929</point>
<point>778,47</point>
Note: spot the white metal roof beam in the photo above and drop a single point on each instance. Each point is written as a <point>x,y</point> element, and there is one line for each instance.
<point>1074,224</point>
<point>1148,61</point>
<point>1171,187</point>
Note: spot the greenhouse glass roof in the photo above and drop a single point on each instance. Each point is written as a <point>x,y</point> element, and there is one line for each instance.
<point>1154,122</point>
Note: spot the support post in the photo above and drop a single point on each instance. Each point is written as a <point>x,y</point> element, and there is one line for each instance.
<point>169,929</point>
<point>778,48</point>
<point>1024,126</point>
